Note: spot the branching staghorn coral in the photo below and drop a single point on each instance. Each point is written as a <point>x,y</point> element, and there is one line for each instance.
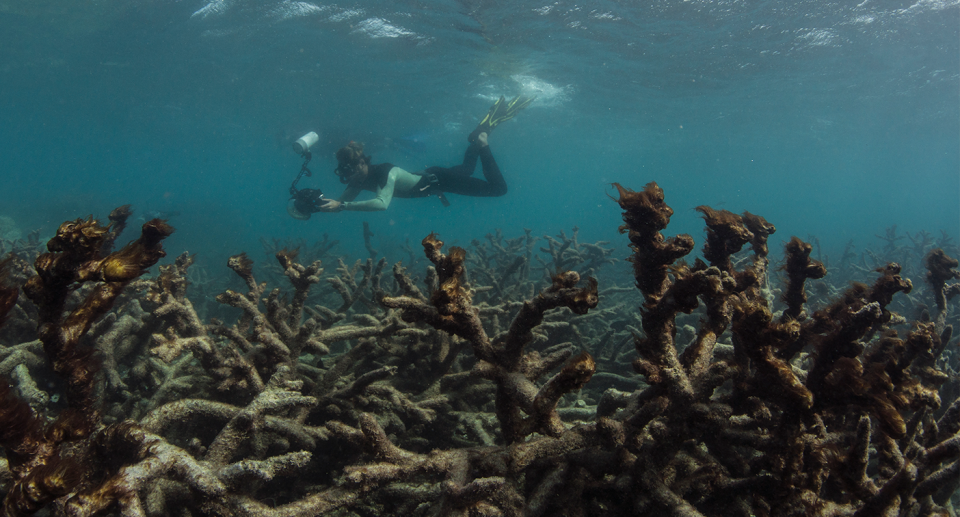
<point>124,466</point>
<point>503,360</point>
<point>183,331</point>
<point>940,269</point>
<point>793,419</point>
<point>502,267</point>
<point>395,397</point>
<point>26,250</point>
<point>38,454</point>
<point>352,291</point>
<point>568,253</point>
<point>9,291</point>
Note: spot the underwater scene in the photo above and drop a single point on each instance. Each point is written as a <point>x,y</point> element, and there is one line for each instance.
<point>480,258</point>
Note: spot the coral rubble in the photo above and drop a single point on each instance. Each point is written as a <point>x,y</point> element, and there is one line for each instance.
<point>485,390</point>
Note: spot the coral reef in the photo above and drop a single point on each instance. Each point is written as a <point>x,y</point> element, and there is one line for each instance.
<point>8,229</point>
<point>48,460</point>
<point>509,380</point>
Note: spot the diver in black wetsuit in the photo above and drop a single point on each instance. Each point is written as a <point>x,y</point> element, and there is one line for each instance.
<point>387,181</point>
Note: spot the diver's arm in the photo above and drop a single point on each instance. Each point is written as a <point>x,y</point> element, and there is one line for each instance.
<point>336,205</point>
<point>349,194</point>
<point>382,199</point>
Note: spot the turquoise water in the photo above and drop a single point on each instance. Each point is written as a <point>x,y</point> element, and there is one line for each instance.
<point>831,119</point>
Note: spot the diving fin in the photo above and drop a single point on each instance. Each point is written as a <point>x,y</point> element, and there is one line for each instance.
<point>501,111</point>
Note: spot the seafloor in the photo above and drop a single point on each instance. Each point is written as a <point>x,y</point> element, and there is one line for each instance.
<point>525,375</point>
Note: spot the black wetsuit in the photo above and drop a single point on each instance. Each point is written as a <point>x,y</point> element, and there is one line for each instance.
<point>452,180</point>
<point>459,180</point>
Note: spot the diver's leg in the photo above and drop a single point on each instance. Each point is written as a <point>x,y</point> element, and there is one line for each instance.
<point>469,161</point>
<point>491,171</point>
<point>493,184</point>
<point>466,168</point>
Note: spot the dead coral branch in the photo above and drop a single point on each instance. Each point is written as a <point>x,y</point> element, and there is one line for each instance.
<point>504,360</point>
<point>44,470</point>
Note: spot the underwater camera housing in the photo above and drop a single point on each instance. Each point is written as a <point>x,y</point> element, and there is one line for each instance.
<point>305,202</point>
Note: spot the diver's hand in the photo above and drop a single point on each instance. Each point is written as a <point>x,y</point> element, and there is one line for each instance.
<point>482,140</point>
<point>331,206</point>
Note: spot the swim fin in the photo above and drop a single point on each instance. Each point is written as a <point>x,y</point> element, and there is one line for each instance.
<point>501,111</point>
